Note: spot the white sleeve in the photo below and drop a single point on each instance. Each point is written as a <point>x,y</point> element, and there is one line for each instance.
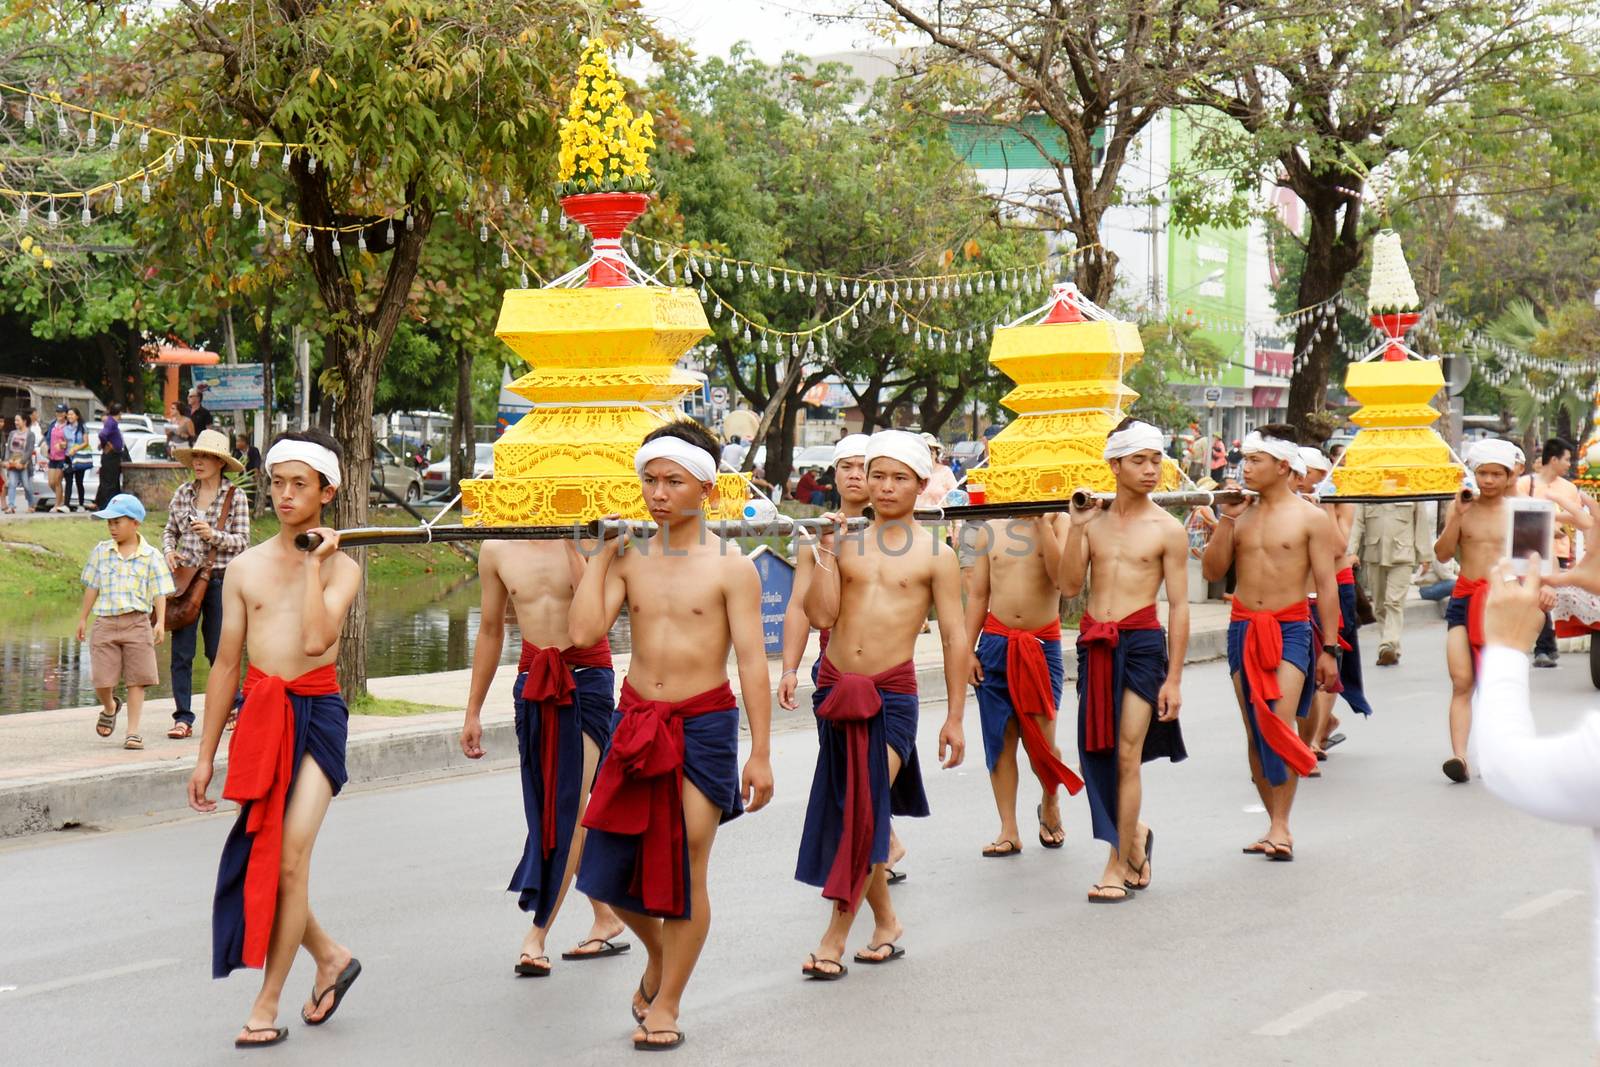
<point>1555,777</point>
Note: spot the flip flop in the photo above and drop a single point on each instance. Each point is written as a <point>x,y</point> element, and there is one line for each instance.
<point>1252,850</point>
<point>895,877</point>
<point>1336,739</point>
<point>996,850</point>
<point>1281,853</point>
<point>1149,850</point>
<point>1455,769</point>
<point>1049,842</point>
<point>1127,894</point>
<point>895,953</point>
<point>638,1016</point>
<point>815,973</point>
<point>612,948</point>
<point>530,967</point>
<point>280,1034</point>
<point>341,985</point>
<point>644,1044</point>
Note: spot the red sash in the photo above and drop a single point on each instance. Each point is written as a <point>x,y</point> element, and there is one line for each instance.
<point>1028,680</point>
<point>1263,651</point>
<point>639,789</point>
<point>550,685</point>
<point>260,766</point>
<point>1346,576</point>
<point>1476,590</point>
<point>1102,638</point>
<point>852,700</point>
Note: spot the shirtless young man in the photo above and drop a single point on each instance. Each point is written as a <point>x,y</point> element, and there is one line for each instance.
<point>691,597</point>
<point>1282,544</point>
<point>1550,482</point>
<point>564,700</point>
<point>873,589</point>
<point>1014,625</point>
<point>850,473</point>
<point>1129,672</point>
<point>1317,720</point>
<point>287,757</point>
<point>1476,530</point>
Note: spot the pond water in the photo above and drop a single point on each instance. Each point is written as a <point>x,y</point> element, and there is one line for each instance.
<point>430,625</point>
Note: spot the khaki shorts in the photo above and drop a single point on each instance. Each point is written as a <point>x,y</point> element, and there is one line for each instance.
<point>122,647</point>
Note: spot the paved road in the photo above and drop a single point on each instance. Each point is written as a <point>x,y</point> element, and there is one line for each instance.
<point>1422,923</point>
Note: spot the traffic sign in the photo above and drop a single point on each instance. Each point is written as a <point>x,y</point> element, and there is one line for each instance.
<point>719,395</point>
<point>1213,395</point>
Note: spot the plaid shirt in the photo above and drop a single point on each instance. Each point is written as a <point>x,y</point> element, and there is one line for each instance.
<point>126,584</point>
<point>232,536</point>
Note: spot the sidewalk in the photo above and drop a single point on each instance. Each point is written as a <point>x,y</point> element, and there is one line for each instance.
<point>55,772</point>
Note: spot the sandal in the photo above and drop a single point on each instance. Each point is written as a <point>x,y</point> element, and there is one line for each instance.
<point>1127,894</point>
<point>133,742</point>
<point>644,1044</point>
<point>279,1034</point>
<point>638,1016</point>
<point>1149,850</point>
<point>341,985</point>
<point>1283,853</point>
<point>890,950</point>
<point>1001,849</point>
<point>106,725</point>
<point>530,967</point>
<point>180,730</point>
<point>1050,841</point>
<point>895,877</point>
<point>815,973</point>
<point>1256,849</point>
<point>607,948</point>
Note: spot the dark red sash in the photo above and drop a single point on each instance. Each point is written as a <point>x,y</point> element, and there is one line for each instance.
<point>1263,651</point>
<point>1346,576</point>
<point>853,700</point>
<point>1476,589</point>
<point>260,767</point>
<point>1028,681</point>
<point>1102,638</point>
<point>639,789</point>
<point>550,685</point>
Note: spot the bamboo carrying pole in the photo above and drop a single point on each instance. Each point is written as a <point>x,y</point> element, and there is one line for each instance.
<point>367,536</point>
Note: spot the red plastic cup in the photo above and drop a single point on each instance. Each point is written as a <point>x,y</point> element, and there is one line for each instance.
<point>975,493</point>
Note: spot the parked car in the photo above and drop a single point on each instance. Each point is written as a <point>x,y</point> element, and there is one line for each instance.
<point>815,457</point>
<point>436,478</point>
<point>129,424</point>
<point>395,474</point>
<point>142,448</point>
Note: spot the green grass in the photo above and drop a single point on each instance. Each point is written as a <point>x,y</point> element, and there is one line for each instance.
<point>367,704</point>
<point>41,558</point>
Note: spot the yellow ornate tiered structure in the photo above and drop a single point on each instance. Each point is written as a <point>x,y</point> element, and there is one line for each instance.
<point>1397,452</point>
<point>1069,396</point>
<point>604,375</point>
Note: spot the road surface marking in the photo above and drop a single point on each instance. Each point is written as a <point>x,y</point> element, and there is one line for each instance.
<point>1288,1024</point>
<point>11,993</point>
<point>1533,907</point>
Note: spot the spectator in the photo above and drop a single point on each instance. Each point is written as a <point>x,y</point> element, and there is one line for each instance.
<point>20,445</point>
<point>180,431</point>
<point>941,481</point>
<point>808,491</point>
<point>112,449</point>
<point>199,414</point>
<point>1390,539</point>
<point>1436,580</point>
<point>1218,468</point>
<point>733,453</point>
<point>79,459</point>
<point>207,519</point>
<point>248,454</point>
<point>1550,483</point>
<point>1335,453</point>
<point>124,581</point>
<point>56,455</point>
<point>1202,520</point>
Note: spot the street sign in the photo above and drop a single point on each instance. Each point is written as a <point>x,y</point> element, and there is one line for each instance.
<point>777,584</point>
<point>230,386</point>
<point>719,395</point>
<point>1457,374</point>
<point>1213,396</point>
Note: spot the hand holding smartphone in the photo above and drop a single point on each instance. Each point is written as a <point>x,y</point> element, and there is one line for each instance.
<point>1531,531</point>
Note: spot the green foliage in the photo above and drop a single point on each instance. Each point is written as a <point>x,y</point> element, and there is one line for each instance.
<point>1170,350</point>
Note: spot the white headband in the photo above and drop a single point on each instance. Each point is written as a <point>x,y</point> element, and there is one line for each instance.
<point>692,458</point>
<point>1492,450</point>
<point>905,447</point>
<point>851,446</point>
<point>1275,447</point>
<point>1138,437</point>
<point>318,458</point>
<point>1313,459</point>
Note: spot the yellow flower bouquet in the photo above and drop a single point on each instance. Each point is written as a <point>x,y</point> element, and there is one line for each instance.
<point>605,148</point>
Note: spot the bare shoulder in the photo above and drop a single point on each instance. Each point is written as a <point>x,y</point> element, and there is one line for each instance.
<point>736,568</point>
<point>343,567</point>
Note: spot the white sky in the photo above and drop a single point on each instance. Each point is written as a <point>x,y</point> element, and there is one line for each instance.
<point>772,27</point>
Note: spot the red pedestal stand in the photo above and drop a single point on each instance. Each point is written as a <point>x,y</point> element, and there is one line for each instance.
<point>1394,327</point>
<point>606,216</point>
<point>1063,304</point>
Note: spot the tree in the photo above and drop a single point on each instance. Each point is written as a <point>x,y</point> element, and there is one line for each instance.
<point>812,171</point>
<point>1322,93</point>
<point>1097,70</point>
<point>405,108</point>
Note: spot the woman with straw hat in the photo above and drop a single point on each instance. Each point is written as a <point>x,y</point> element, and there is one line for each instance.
<point>208,524</point>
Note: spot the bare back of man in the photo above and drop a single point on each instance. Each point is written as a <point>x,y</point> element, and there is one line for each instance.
<point>1013,579</point>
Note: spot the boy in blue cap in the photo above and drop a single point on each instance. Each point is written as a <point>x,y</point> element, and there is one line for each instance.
<point>125,580</point>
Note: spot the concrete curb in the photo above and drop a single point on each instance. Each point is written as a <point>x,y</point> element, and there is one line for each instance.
<point>98,797</point>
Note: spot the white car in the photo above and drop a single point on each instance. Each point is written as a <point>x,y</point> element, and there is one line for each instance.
<point>436,476</point>
<point>142,448</point>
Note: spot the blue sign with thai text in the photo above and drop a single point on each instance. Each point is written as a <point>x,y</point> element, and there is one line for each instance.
<point>777,585</point>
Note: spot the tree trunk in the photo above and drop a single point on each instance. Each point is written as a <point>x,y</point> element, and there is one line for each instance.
<point>462,450</point>
<point>1095,271</point>
<point>1332,251</point>
<point>111,367</point>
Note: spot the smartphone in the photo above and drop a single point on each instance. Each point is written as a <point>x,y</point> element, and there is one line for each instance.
<point>1532,530</point>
